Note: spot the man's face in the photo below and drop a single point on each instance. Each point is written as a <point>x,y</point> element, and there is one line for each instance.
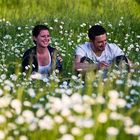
<point>100,42</point>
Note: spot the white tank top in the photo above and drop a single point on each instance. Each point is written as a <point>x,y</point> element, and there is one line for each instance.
<point>45,69</point>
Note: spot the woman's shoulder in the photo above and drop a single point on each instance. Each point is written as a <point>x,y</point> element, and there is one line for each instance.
<point>29,51</point>
<point>51,49</point>
<point>54,51</point>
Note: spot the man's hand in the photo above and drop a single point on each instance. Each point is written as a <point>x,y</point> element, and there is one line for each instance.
<point>103,65</point>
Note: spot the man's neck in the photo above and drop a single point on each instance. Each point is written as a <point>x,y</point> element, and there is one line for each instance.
<point>98,53</point>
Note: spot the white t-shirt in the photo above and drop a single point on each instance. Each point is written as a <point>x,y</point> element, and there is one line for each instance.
<point>110,52</point>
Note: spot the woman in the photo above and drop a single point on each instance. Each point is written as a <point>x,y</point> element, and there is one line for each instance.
<point>40,58</point>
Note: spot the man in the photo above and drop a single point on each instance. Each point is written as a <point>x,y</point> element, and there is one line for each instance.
<point>98,53</point>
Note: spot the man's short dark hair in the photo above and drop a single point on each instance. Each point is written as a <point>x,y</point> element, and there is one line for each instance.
<point>95,31</point>
<point>36,30</point>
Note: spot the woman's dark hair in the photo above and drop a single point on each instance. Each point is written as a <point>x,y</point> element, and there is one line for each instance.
<point>95,31</point>
<point>36,30</point>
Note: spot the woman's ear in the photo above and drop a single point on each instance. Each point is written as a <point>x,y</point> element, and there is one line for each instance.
<point>34,38</point>
<point>49,39</point>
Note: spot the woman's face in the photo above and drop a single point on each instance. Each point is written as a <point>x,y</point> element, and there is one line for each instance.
<point>43,39</point>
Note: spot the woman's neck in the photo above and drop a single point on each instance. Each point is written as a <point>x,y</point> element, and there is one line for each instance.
<point>42,50</point>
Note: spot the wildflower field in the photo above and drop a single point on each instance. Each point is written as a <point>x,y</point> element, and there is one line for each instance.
<point>64,106</point>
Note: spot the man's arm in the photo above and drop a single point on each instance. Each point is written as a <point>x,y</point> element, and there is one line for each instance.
<point>85,66</point>
<point>123,62</point>
<point>130,63</point>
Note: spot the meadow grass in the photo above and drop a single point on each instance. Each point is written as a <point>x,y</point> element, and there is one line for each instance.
<point>66,107</point>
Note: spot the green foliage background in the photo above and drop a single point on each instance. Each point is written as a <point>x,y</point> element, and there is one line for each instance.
<point>90,10</point>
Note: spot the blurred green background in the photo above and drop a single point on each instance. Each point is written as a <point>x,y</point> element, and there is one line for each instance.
<point>85,10</point>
